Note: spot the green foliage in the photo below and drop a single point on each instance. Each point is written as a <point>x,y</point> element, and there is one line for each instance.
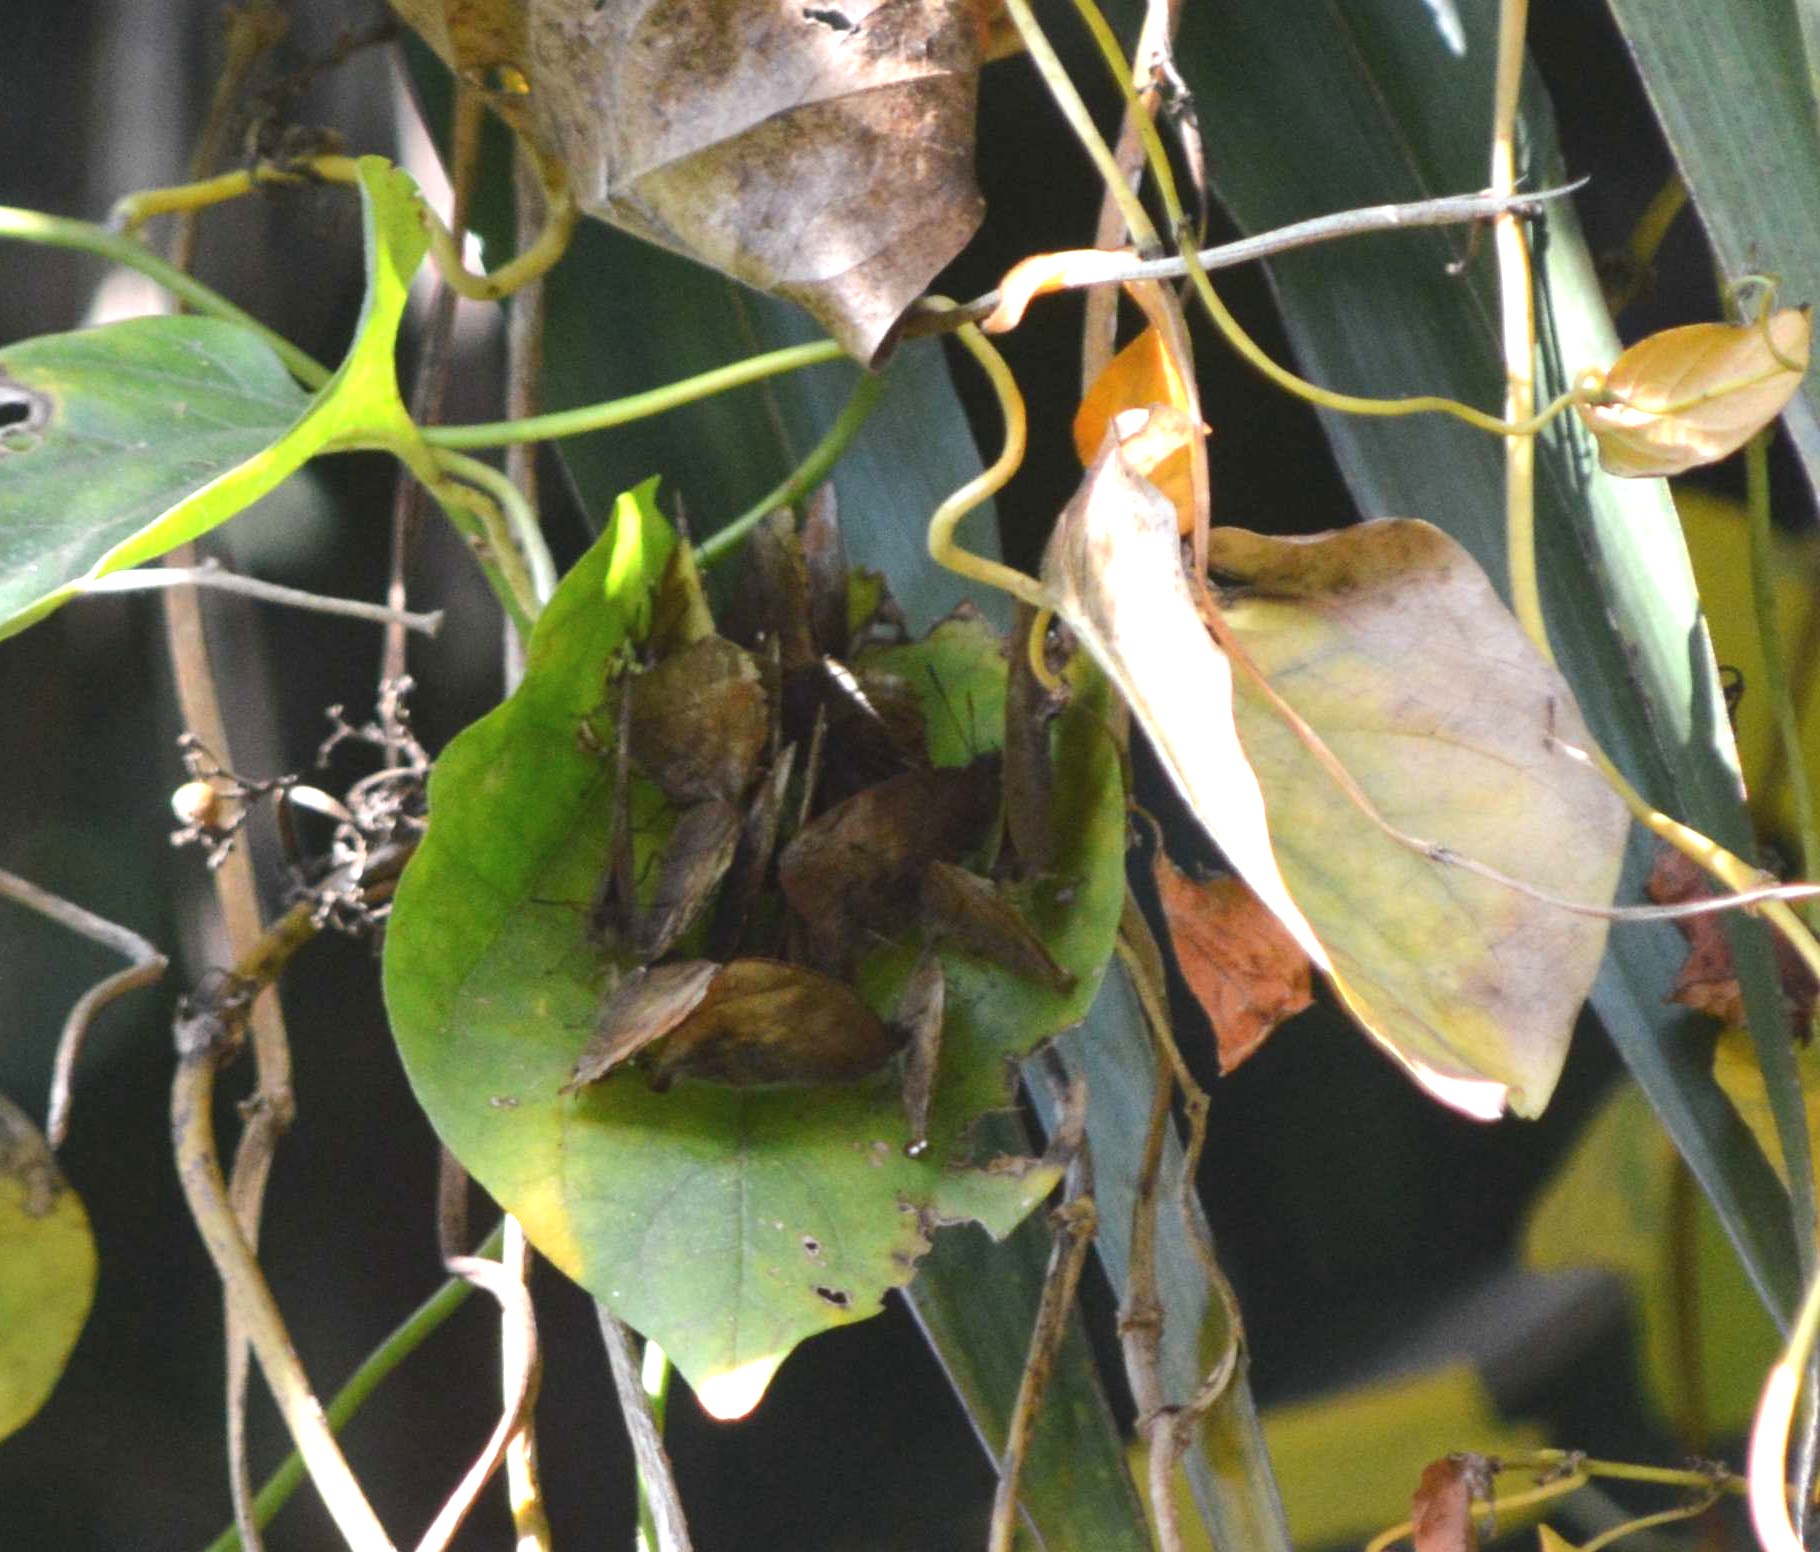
<point>726,1224</point>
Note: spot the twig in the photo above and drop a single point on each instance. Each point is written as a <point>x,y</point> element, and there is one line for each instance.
<point>1074,1223</point>
<point>1444,210</point>
<point>146,966</point>
<point>507,1287</point>
<point>209,573</point>
<point>207,1031</point>
<point>656,1477</point>
<point>405,1339</point>
<point>524,1484</point>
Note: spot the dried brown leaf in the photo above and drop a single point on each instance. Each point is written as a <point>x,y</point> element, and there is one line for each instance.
<point>820,152</point>
<point>1440,1512</point>
<point>978,917</point>
<point>921,1007</point>
<point>764,1022</point>
<point>1708,979</point>
<point>700,721</point>
<point>857,870</point>
<point>1245,971</point>
<point>825,559</point>
<point>753,857</point>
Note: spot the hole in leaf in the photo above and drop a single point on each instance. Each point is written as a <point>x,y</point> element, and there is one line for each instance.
<point>23,413</point>
<point>829,17</point>
<point>812,1246</point>
<point>838,1297</point>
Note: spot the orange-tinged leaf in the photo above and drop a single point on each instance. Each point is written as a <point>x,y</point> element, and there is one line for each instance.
<point>1246,972</point>
<point>1141,374</point>
<point>1440,1511</point>
<point>1696,394</point>
<point>1158,443</point>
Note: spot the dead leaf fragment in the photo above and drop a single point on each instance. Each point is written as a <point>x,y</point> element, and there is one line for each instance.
<point>700,721</point>
<point>645,1006</point>
<point>1140,374</point>
<point>1246,972</point>
<point>1707,981</point>
<point>1440,1511</point>
<point>691,865</point>
<point>818,152</point>
<point>921,1008</point>
<point>1696,394</point>
<point>980,918</point>
<point>856,871</point>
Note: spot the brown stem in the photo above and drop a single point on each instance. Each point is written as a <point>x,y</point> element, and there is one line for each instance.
<point>1075,1223</point>
<point>657,1478</point>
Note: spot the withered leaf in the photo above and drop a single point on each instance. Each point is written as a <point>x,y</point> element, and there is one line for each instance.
<point>978,916</point>
<point>1245,971</point>
<point>753,857</point>
<point>680,616</point>
<point>1440,1511</point>
<point>645,1006</point>
<point>1693,395</point>
<point>920,1010</point>
<point>699,721</point>
<point>857,870</point>
<point>763,1021</point>
<point>693,861</point>
<point>1708,980</point>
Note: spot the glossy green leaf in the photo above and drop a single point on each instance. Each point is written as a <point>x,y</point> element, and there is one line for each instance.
<point>47,1269</point>
<point>726,1224</point>
<point>1734,91</point>
<point>120,443</point>
<point>1315,117</point>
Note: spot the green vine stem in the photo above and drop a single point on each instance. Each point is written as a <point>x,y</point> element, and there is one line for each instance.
<point>805,477</point>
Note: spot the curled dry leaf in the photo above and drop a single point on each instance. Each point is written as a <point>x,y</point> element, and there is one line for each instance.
<point>1440,1510</point>
<point>820,152</point>
<point>1392,645</point>
<point>1246,972</point>
<point>1142,401</point>
<point>980,918</point>
<point>1708,980</point>
<point>1693,395</point>
<point>748,1023</point>
<point>857,870</point>
<point>699,721</point>
<point>693,861</point>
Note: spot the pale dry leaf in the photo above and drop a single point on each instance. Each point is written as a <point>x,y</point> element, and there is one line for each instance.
<point>1391,644</point>
<point>821,152</point>
<point>1114,570</point>
<point>1696,394</point>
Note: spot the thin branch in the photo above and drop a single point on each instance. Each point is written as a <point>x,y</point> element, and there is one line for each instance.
<point>520,1379</point>
<point>207,1031</point>
<point>524,1484</point>
<point>1445,210</point>
<point>147,966</point>
<point>375,1368</point>
<point>1075,1223</point>
<point>656,1477</point>
<point>209,573</point>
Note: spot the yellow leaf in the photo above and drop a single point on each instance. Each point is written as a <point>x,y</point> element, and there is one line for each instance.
<point>1140,375</point>
<point>1693,395</point>
<point>1391,644</point>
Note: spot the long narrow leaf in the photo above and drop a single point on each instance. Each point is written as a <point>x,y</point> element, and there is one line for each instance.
<point>1320,109</point>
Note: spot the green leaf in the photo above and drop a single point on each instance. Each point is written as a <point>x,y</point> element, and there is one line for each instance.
<point>47,1269</point>
<point>1314,117</point>
<point>1733,89</point>
<point>727,1224</point>
<point>139,436</point>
